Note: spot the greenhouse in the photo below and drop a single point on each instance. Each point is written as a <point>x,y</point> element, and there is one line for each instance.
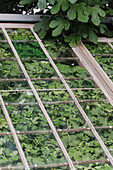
<point>56,102</point>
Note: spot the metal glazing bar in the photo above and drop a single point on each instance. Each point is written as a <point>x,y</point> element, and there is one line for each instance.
<point>15,25</point>
<point>75,100</point>
<point>25,163</point>
<point>100,77</point>
<point>41,90</point>
<point>58,130</point>
<point>49,79</point>
<point>57,102</point>
<point>109,43</point>
<point>102,55</point>
<point>39,102</point>
<point>110,74</point>
<point>40,59</point>
<point>100,39</point>
<point>55,165</point>
<point>4,41</point>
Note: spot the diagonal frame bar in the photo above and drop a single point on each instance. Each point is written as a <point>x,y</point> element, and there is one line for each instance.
<point>20,150</point>
<point>75,100</point>
<point>71,165</point>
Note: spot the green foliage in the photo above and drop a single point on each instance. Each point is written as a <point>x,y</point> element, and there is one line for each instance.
<point>76,19</point>
<point>43,148</point>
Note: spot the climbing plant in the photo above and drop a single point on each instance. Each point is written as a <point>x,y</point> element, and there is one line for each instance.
<point>75,19</point>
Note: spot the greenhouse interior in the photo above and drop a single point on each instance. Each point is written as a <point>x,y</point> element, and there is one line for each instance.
<point>56,101</point>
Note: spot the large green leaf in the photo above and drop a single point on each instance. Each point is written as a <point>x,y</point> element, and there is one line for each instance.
<point>72,12</point>
<point>72,1</point>
<point>66,24</point>
<point>65,5</point>
<point>92,36</point>
<point>42,4</point>
<point>26,2</point>
<point>42,26</point>
<point>100,11</point>
<point>60,24</point>
<point>58,30</point>
<point>81,8</point>
<point>51,2</point>
<point>96,11</point>
<point>56,8</point>
<point>95,18</point>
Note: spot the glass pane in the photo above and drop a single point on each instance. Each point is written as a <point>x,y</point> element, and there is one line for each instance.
<point>20,34</point>
<point>18,97</point>
<point>82,146</point>
<point>96,165</point>
<point>13,85</point>
<point>105,61</point>
<point>95,94</point>
<point>9,155</point>
<point>71,69</point>
<point>10,69</point>
<point>3,123</point>
<point>54,96</point>
<point>106,135</point>
<point>41,149</point>
<point>27,118</point>
<point>2,37</point>
<point>100,48</point>
<point>5,51</point>
<point>100,114</point>
<point>65,116</point>
<point>57,48</point>
<point>29,50</point>
<point>81,83</point>
<point>55,168</point>
<point>46,84</point>
<point>40,69</point>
